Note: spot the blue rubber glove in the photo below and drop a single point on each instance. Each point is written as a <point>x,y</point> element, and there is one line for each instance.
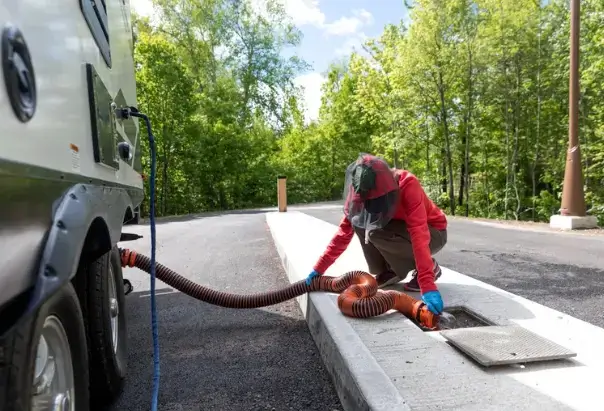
<point>433,301</point>
<point>312,275</point>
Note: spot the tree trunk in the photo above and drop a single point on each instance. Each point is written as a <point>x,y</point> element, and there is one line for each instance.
<point>506,117</point>
<point>507,158</point>
<point>538,131</point>
<point>449,159</point>
<point>428,166</point>
<point>462,176</point>
<point>333,183</point>
<point>164,178</point>
<point>516,140</point>
<point>485,163</point>
<point>443,170</point>
<point>469,130</point>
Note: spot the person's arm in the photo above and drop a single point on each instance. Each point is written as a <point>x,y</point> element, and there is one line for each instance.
<point>336,247</point>
<point>417,225</point>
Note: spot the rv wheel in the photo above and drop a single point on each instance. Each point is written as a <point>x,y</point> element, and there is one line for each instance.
<point>44,359</point>
<point>103,291</point>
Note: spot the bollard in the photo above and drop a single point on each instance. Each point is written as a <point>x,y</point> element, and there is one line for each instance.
<point>282,194</point>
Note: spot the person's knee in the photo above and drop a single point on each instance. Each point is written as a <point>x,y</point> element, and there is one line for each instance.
<point>438,241</point>
<point>443,239</point>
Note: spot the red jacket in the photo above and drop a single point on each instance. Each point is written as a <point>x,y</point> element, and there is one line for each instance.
<point>418,212</point>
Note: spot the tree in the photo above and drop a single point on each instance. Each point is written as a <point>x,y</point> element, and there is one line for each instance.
<point>471,96</point>
<point>166,90</point>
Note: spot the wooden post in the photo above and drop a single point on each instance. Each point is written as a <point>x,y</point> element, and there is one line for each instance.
<point>282,194</point>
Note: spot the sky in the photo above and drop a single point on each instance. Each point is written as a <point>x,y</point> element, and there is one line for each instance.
<point>332,29</point>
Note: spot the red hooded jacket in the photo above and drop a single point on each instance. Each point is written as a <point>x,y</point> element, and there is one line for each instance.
<point>418,212</point>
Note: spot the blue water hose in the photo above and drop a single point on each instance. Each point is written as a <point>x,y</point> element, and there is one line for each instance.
<point>155,393</point>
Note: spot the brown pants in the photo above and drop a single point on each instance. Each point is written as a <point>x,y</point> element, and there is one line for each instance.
<point>390,248</point>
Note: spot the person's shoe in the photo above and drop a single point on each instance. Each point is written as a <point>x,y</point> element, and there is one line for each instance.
<point>387,278</point>
<point>413,285</point>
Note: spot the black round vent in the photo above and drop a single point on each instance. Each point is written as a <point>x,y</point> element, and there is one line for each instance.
<point>19,75</point>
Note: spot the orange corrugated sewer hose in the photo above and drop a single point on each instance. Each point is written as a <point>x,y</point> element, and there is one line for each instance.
<point>358,293</point>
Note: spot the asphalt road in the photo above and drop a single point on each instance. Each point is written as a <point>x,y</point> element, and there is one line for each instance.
<point>214,358</point>
<point>563,271</point>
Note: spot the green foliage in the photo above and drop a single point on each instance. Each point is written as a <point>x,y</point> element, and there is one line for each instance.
<point>472,97</point>
<point>219,95</point>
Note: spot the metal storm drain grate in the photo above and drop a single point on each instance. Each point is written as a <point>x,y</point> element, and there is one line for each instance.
<point>498,345</point>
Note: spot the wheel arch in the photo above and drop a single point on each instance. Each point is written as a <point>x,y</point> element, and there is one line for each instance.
<point>128,215</point>
<point>87,221</point>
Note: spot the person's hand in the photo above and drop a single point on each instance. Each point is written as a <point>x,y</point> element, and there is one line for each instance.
<point>312,275</point>
<point>433,301</point>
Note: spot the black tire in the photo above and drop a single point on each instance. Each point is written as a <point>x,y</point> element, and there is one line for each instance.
<point>107,367</point>
<point>18,351</point>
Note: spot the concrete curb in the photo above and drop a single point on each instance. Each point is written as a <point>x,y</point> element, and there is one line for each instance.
<point>371,359</point>
<point>359,380</point>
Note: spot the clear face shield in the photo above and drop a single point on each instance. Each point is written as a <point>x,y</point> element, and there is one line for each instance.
<point>371,193</point>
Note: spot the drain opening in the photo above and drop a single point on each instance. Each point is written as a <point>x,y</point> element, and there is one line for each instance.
<point>460,317</point>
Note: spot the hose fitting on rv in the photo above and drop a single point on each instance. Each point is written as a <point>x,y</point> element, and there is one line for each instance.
<point>122,113</point>
<point>359,295</point>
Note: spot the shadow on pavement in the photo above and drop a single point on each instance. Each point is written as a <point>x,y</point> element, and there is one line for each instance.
<point>196,216</point>
<point>214,358</point>
<point>190,217</point>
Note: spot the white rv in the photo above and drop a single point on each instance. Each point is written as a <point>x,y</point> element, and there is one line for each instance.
<point>70,178</point>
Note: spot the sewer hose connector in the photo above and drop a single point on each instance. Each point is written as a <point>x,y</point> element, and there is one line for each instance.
<point>359,296</point>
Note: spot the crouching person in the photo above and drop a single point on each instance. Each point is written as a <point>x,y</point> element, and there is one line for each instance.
<point>399,227</point>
